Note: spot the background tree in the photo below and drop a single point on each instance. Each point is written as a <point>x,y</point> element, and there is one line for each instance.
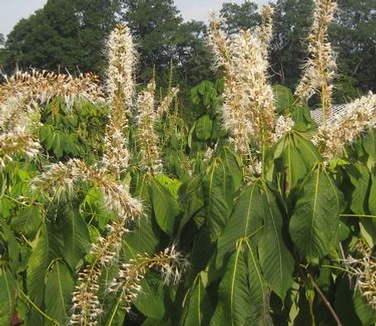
<point>292,20</point>
<point>164,40</point>
<point>354,38</point>
<point>239,16</point>
<point>66,34</point>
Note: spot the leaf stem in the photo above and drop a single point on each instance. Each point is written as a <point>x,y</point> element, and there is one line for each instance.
<point>54,322</point>
<point>327,303</point>
<point>357,215</point>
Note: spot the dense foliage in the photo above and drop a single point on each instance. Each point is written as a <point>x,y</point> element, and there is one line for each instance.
<point>115,210</point>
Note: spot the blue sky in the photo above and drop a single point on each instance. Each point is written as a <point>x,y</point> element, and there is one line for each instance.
<point>13,10</point>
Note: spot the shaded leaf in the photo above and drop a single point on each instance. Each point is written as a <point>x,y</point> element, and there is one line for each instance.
<point>38,264</point>
<point>372,196</point>
<point>8,246</point>
<point>8,295</point>
<point>245,221</point>
<point>151,299</point>
<point>359,178</point>
<point>218,194</point>
<point>204,127</point>
<point>315,219</point>
<point>242,294</point>
<point>59,288</point>
<point>276,261</point>
<point>165,206</point>
<point>198,308</point>
<point>28,220</point>
<point>76,237</point>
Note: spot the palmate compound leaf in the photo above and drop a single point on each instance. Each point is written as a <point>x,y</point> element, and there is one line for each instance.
<point>276,261</point>
<point>294,155</point>
<point>315,219</point>
<point>243,297</point>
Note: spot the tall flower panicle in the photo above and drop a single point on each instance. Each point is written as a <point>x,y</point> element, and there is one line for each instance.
<point>166,101</point>
<point>248,109</point>
<point>363,268</point>
<point>15,143</point>
<point>147,116</point>
<point>346,127</point>
<point>21,97</point>
<point>24,92</point>
<point>147,137</point>
<point>171,263</point>
<point>120,89</point>
<point>120,75</point>
<point>60,181</point>
<point>320,68</point>
<point>283,125</point>
<point>266,29</point>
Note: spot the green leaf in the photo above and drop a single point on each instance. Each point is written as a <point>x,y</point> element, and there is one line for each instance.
<point>197,306</point>
<point>9,246</point>
<point>75,235</point>
<point>242,294</point>
<point>204,126</point>
<point>232,163</point>
<point>144,238</point>
<point>190,199</point>
<point>245,221</point>
<point>283,97</point>
<point>28,220</point>
<point>218,187</point>
<point>37,267</point>
<point>57,147</point>
<point>150,302</point>
<point>276,261</point>
<point>165,206</point>
<point>369,145</point>
<point>295,156</point>
<point>372,196</point>
<point>8,295</point>
<point>363,309</point>
<point>59,288</point>
<point>172,185</point>
<point>359,178</point>
<point>315,219</point>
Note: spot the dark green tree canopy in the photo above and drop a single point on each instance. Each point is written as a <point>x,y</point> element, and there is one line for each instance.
<point>354,38</point>
<point>165,40</point>
<point>239,16</point>
<point>66,33</point>
<point>292,20</point>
